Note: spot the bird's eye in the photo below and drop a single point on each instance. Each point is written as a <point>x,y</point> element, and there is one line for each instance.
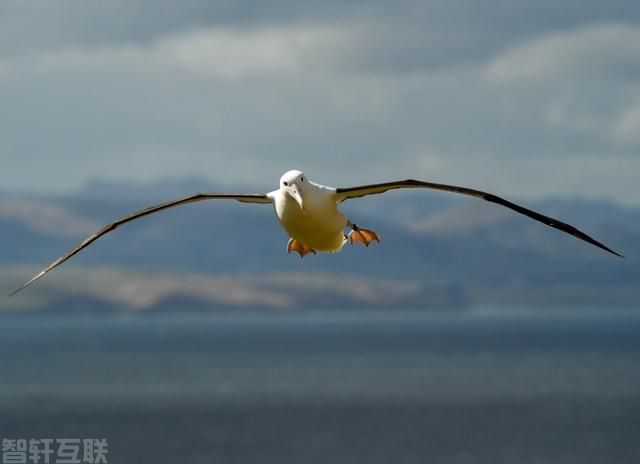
<point>302,179</point>
<point>286,184</point>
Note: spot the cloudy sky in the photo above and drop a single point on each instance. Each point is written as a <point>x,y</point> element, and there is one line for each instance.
<point>523,98</point>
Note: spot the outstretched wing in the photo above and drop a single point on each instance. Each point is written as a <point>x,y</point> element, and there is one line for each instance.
<point>243,197</point>
<point>373,189</point>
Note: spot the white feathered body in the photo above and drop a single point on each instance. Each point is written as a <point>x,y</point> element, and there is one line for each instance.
<point>321,224</point>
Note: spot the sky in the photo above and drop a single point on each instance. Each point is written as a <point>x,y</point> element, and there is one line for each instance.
<point>529,99</point>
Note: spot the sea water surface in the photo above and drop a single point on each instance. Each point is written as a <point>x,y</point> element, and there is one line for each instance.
<point>482,386</point>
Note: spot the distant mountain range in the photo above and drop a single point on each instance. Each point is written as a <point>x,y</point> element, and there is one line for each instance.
<point>437,251</point>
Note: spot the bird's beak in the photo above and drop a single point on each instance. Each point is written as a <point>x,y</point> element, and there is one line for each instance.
<point>296,193</point>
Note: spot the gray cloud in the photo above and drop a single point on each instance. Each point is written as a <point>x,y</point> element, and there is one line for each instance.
<point>432,30</point>
<point>524,98</point>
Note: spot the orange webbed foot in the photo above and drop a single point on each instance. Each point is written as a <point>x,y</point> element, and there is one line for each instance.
<point>364,236</point>
<point>299,248</point>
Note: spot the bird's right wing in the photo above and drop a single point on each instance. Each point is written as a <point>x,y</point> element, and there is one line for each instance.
<point>242,197</point>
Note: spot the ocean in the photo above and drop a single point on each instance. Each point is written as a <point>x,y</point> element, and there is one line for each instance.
<point>481,386</point>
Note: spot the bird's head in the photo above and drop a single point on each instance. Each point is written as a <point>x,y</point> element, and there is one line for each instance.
<point>292,183</point>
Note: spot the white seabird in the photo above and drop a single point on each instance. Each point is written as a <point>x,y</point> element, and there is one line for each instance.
<point>309,214</point>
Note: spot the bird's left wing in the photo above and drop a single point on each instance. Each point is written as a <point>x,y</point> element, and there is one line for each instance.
<point>242,197</point>
<point>342,194</point>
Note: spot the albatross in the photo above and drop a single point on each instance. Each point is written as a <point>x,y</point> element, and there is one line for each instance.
<point>308,212</point>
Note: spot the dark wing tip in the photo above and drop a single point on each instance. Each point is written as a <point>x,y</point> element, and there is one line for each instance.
<point>615,253</point>
<point>605,248</point>
<point>26,284</point>
<point>556,224</point>
<point>582,236</point>
<point>14,292</point>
